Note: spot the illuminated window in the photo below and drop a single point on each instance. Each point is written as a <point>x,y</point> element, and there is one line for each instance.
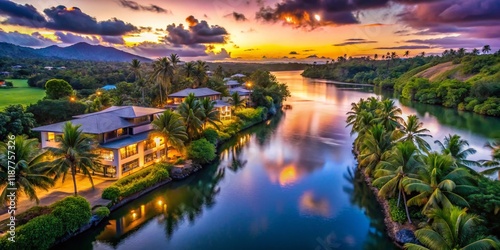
<point>150,157</point>
<point>149,144</point>
<point>128,151</point>
<point>50,136</point>
<point>130,165</point>
<point>107,155</point>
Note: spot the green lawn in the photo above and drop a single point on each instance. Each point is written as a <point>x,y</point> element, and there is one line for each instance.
<point>20,94</point>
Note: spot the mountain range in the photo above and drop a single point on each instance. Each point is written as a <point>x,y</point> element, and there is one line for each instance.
<point>78,51</point>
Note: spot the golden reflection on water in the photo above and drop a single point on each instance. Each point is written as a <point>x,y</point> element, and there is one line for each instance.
<point>312,205</point>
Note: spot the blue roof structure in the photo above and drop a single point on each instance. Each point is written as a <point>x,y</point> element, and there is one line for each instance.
<point>109,87</point>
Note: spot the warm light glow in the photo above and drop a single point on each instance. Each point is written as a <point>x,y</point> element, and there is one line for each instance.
<point>317,17</point>
<point>134,215</point>
<point>72,99</point>
<point>98,92</point>
<point>160,202</point>
<point>288,176</point>
<point>289,19</point>
<point>157,140</point>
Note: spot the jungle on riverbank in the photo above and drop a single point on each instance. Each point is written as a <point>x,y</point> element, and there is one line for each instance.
<point>467,81</point>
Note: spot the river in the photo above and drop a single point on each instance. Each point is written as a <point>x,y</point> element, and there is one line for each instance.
<point>284,184</point>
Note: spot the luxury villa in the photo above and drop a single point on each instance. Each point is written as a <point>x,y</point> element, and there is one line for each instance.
<point>223,107</point>
<point>123,136</point>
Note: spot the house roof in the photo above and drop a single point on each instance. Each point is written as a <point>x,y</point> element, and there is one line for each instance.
<point>109,87</point>
<point>238,75</point>
<point>110,119</point>
<point>198,92</point>
<point>232,83</point>
<point>220,103</point>
<point>126,141</point>
<point>240,90</point>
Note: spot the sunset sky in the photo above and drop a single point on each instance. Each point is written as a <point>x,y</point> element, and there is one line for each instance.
<point>255,29</point>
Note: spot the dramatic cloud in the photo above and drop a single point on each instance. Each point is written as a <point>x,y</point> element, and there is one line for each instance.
<point>237,16</point>
<point>136,6</point>
<point>113,39</point>
<point>407,47</point>
<point>293,53</point>
<point>195,52</point>
<point>71,38</point>
<point>197,32</point>
<point>456,42</point>
<point>472,18</point>
<point>354,41</point>
<point>33,40</point>
<point>63,19</point>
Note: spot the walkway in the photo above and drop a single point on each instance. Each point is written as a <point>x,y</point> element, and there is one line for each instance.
<point>62,190</point>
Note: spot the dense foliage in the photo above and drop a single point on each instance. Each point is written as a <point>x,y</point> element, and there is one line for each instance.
<point>392,152</point>
<point>57,89</point>
<point>15,120</point>
<point>66,216</point>
<point>52,111</point>
<point>136,182</point>
<point>464,81</point>
<point>201,151</point>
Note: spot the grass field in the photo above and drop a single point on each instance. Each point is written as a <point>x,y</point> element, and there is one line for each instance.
<point>20,94</point>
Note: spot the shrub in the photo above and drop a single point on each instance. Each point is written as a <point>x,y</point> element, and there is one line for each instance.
<point>201,151</point>
<point>32,213</point>
<point>39,233</point>
<point>180,161</point>
<point>74,211</point>
<point>57,88</point>
<point>111,193</point>
<point>102,212</point>
<point>9,84</point>
<point>397,213</point>
<point>137,182</point>
<point>211,135</point>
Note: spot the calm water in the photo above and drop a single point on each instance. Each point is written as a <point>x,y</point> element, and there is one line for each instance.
<point>285,184</point>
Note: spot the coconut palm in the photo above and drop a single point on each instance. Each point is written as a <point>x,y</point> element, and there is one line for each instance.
<point>422,53</point>
<point>374,144</point>
<point>459,149</point>
<point>29,168</point>
<point>375,56</point>
<point>210,113</point>
<point>493,165</point>
<point>413,130</point>
<point>486,49</point>
<point>170,127</point>
<point>236,101</point>
<point>189,69</point>
<point>461,52</point>
<point>162,73</point>
<point>75,152</point>
<point>475,51</point>
<point>388,115</point>
<point>402,163</point>
<point>200,72</point>
<point>452,229</point>
<point>174,60</point>
<point>438,184</point>
<point>135,67</point>
<point>407,53</point>
<point>192,113</point>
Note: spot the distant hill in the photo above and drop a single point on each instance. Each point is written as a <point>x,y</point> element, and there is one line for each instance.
<point>78,51</point>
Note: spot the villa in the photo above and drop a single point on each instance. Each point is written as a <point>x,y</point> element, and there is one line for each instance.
<point>123,136</point>
<point>178,97</point>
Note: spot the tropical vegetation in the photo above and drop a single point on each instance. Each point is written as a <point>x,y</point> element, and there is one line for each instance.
<point>426,188</point>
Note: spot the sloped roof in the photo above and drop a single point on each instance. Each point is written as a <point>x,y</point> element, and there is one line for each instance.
<point>110,119</point>
<point>109,87</point>
<point>240,90</point>
<point>232,83</point>
<point>198,92</point>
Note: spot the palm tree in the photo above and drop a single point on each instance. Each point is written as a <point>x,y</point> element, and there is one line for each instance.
<point>135,66</point>
<point>494,163</point>
<point>200,72</point>
<point>451,229</point>
<point>402,163</point>
<point>422,53</point>
<point>438,184</point>
<point>29,168</point>
<point>475,52</point>
<point>210,113</point>
<point>74,152</point>
<point>388,114</point>
<point>486,49</point>
<point>236,101</point>
<point>461,52</point>
<point>413,130</point>
<point>407,53</point>
<point>170,127</point>
<point>162,73</point>
<point>459,149</point>
<point>189,69</point>
<point>374,144</point>
<point>192,113</point>
<point>375,56</point>
<point>174,60</point>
